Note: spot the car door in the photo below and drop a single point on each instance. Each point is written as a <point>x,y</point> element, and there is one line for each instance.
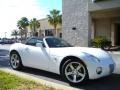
<point>36,57</point>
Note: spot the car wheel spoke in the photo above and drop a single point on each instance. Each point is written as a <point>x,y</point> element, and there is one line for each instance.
<point>71,66</point>
<point>74,78</point>
<point>78,67</point>
<point>12,61</point>
<point>81,74</point>
<point>15,64</point>
<point>17,61</point>
<point>69,73</point>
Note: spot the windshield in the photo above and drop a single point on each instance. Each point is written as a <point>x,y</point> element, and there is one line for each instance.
<point>57,42</point>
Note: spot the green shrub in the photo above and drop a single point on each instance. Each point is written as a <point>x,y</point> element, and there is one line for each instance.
<point>101,42</point>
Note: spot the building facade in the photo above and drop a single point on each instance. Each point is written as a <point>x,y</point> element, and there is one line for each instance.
<point>45,29</point>
<point>84,20</point>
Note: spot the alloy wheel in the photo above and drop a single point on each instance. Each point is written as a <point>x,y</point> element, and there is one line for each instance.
<point>15,61</point>
<point>75,72</point>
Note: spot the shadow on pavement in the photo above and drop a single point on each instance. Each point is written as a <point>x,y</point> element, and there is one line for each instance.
<point>41,73</point>
<point>107,83</point>
<point>111,82</point>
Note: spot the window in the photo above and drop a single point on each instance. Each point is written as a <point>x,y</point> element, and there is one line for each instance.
<point>31,42</point>
<point>60,35</point>
<point>56,43</point>
<point>49,32</point>
<point>40,41</point>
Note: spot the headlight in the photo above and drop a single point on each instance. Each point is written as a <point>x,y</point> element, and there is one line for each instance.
<point>92,57</point>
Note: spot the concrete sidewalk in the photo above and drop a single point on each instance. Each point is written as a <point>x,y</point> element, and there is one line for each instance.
<point>114,52</point>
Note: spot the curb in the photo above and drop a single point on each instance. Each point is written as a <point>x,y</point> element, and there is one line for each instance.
<point>41,81</point>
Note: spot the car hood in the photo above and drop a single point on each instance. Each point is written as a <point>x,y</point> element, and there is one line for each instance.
<point>76,51</point>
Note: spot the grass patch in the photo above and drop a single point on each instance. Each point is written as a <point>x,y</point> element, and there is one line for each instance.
<point>12,82</point>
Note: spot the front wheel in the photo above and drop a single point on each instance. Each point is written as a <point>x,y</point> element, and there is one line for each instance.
<point>15,61</point>
<point>74,72</point>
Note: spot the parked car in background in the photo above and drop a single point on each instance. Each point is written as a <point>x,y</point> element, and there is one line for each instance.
<point>74,64</point>
<point>7,41</point>
<point>0,41</point>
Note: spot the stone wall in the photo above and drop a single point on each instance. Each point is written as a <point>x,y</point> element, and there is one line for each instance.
<point>76,16</point>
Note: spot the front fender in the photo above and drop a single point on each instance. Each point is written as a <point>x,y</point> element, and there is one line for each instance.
<point>92,65</point>
<point>59,60</point>
<point>105,62</point>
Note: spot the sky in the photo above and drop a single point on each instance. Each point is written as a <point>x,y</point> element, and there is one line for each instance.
<point>12,10</point>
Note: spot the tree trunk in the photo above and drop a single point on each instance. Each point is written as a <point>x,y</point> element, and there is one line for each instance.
<point>25,33</point>
<point>34,31</point>
<point>21,34</point>
<point>55,31</point>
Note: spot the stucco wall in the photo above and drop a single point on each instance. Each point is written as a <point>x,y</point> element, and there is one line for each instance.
<point>46,25</point>
<point>75,14</point>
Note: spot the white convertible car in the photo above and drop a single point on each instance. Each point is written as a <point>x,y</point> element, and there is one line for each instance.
<point>75,64</point>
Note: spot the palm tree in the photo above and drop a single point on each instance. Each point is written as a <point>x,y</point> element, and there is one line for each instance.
<point>21,33</point>
<point>22,25</point>
<point>60,19</point>
<point>15,33</point>
<point>34,24</point>
<point>55,19</point>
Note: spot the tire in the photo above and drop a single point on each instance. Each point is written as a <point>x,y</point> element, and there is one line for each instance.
<point>15,61</point>
<point>74,72</point>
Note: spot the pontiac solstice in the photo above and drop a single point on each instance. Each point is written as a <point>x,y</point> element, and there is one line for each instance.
<point>74,64</point>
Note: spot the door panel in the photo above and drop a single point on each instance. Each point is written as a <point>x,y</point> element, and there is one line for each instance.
<point>36,57</point>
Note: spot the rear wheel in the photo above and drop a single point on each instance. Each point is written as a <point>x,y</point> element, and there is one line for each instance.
<point>74,72</point>
<point>15,61</point>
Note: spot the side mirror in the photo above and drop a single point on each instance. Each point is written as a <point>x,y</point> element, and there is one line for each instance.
<point>39,45</point>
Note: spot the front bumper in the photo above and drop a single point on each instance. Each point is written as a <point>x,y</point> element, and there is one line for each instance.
<point>106,70</point>
<point>100,69</point>
<point>101,64</point>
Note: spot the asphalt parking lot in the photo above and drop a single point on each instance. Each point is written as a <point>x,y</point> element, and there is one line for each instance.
<point>5,46</point>
<point>111,82</point>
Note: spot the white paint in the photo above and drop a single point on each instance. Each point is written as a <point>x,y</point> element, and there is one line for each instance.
<point>45,59</point>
